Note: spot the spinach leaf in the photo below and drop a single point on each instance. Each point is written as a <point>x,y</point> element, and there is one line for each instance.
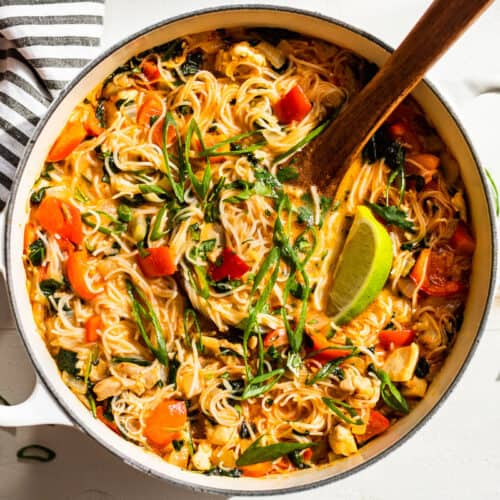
<point>422,368</point>
<point>219,471</point>
<point>100,113</point>
<point>297,460</point>
<point>393,215</point>
<point>192,64</point>
<point>50,286</point>
<point>286,174</point>
<point>37,252</point>
<point>37,196</point>
<point>244,432</point>
<point>66,361</point>
<point>225,285</point>
<point>305,216</point>
<point>177,444</point>
<point>173,368</point>
<point>255,454</point>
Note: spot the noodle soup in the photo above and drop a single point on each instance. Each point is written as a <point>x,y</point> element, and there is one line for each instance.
<point>181,277</point>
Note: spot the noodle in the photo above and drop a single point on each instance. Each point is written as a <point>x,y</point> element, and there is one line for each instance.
<point>171,288</point>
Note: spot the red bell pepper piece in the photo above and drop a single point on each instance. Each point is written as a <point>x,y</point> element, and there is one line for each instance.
<point>60,217</point>
<point>228,266</point>
<point>159,262</point>
<point>326,350</point>
<point>294,105</point>
<point>396,338</point>
<point>276,338</point>
<point>377,423</point>
<point>462,241</point>
<point>150,70</point>
<point>433,271</point>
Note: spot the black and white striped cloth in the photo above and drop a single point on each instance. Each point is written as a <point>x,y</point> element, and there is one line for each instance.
<point>43,45</point>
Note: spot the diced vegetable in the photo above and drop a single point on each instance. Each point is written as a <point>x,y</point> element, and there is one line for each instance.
<point>257,470</point>
<point>60,217</point>
<point>434,272</point>
<point>159,262</point>
<point>92,327</point>
<point>91,123</point>
<point>415,388</point>
<point>293,106</point>
<point>228,266</point>
<point>396,338</point>
<point>342,441</point>
<point>109,423</point>
<point>210,141</point>
<point>151,106</point>
<point>326,350</point>
<point>400,364</point>
<point>71,136</point>
<point>462,241</point>
<point>276,338</point>
<point>163,424</point>
<point>76,268</point>
<point>150,70</point>
<point>377,423</point>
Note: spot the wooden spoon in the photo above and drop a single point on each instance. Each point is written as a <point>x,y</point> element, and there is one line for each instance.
<point>325,160</point>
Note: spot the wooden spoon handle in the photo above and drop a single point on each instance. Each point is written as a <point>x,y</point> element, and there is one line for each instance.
<point>442,23</point>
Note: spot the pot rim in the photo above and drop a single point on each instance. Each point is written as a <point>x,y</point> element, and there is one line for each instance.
<point>11,288</point>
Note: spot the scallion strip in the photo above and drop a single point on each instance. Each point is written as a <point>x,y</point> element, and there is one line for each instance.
<point>232,140</point>
<point>177,187</point>
<point>140,311</point>
<point>236,152</point>
<point>255,388</point>
<point>187,340</point>
<point>201,188</point>
<point>329,367</point>
<point>308,138</point>
<point>333,405</point>
<point>156,232</point>
<point>134,361</point>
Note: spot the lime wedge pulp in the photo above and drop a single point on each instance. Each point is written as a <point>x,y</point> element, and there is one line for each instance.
<point>362,269</point>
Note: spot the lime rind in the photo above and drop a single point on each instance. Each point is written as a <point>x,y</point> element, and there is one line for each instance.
<point>363,268</point>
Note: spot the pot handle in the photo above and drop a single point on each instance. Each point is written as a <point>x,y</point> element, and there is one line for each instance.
<point>40,407</point>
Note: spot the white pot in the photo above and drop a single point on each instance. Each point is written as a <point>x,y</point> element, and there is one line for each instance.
<point>53,402</point>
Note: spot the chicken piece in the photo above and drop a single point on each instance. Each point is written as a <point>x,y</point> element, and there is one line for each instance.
<point>201,459</point>
<point>401,363</point>
<point>179,457</point>
<point>220,434</point>
<point>414,388</point>
<point>228,61</point>
<point>189,382</point>
<point>107,388</point>
<point>342,441</point>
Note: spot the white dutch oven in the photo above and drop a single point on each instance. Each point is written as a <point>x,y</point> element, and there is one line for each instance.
<point>53,403</point>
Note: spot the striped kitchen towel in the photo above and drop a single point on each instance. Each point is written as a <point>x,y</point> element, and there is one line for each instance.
<point>43,45</point>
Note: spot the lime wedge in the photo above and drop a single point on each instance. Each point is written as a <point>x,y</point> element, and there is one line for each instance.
<point>362,268</point>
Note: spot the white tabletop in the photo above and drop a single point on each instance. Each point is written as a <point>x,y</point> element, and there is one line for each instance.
<point>455,456</point>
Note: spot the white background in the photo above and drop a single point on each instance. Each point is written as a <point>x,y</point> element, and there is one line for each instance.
<point>455,456</point>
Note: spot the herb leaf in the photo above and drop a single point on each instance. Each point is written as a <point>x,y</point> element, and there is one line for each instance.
<point>37,252</point>
<point>286,174</point>
<point>66,361</point>
<point>393,215</point>
<point>255,454</point>
<point>49,287</point>
<point>391,396</point>
<point>334,404</point>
